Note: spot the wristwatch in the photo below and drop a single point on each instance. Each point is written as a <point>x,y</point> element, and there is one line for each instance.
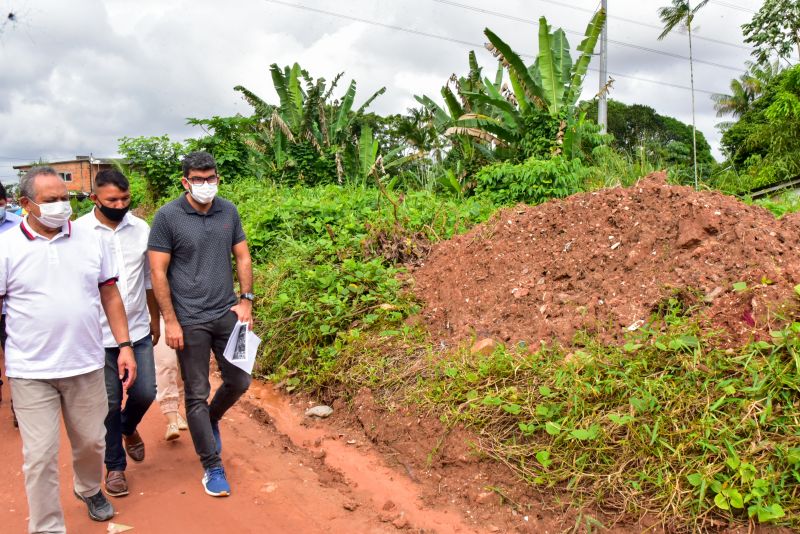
<point>248,296</point>
<point>125,344</point>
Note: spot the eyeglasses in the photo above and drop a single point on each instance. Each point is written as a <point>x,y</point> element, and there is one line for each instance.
<point>200,180</point>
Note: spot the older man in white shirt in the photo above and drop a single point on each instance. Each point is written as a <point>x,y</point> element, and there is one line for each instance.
<point>126,238</point>
<point>57,281</point>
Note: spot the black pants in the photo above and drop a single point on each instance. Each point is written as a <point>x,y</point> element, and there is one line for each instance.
<point>198,342</point>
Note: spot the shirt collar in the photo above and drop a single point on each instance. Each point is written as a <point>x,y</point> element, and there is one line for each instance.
<point>187,207</point>
<point>31,234</point>
<point>126,221</point>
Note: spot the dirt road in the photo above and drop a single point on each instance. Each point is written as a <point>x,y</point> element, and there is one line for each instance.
<point>286,475</point>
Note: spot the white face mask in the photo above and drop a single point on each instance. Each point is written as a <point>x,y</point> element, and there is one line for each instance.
<point>54,214</point>
<point>204,193</point>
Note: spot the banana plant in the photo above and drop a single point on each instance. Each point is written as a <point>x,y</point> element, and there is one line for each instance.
<point>483,116</point>
<point>553,82</point>
<point>452,121</point>
<point>307,113</point>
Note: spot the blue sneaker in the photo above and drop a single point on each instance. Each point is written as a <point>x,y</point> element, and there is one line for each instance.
<point>217,437</point>
<point>215,483</point>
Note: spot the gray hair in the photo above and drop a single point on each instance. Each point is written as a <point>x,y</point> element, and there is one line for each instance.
<point>26,183</point>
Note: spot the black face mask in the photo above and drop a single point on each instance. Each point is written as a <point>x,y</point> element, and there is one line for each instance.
<point>115,214</point>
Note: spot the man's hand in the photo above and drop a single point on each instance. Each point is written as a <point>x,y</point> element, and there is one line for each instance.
<point>174,334</point>
<point>244,311</point>
<point>155,331</point>
<point>126,362</point>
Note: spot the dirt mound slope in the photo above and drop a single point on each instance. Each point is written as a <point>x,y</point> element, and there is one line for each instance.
<point>604,261</point>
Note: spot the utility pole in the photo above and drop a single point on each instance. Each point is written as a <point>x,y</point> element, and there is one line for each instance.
<point>602,104</point>
<point>689,21</point>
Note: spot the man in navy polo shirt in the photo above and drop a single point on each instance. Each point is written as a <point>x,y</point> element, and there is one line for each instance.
<point>191,243</point>
<point>55,283</point>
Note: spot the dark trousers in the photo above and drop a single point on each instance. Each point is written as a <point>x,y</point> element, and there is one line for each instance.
<point>140,395</point>
<point>198,342</point>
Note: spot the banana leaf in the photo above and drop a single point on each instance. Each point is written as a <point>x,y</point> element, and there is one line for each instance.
<point>503,106</point>
<point>440,117</point>
<point>514,64</point>
<point>581,66</point>
<point>452,103</point>
<point>552,86</point>
<point>345,106</point>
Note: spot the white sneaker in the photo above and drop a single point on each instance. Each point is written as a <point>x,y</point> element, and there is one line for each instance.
<point>182,424</point>
<point>172,432</point>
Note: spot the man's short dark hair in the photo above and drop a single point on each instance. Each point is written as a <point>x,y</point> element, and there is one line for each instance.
<point>199,160</point>
<point>111,177</point>
<point>3,193</point>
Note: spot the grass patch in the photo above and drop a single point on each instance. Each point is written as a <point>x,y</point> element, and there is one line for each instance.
<point>666,424</point>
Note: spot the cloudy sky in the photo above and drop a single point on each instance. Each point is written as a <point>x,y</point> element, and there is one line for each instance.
<point>76,76</point>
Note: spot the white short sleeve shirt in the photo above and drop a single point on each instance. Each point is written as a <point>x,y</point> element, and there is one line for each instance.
<point>52,293</point>
<point>127,243</point>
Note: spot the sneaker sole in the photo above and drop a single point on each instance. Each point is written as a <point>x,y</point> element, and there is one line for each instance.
<point>91,515</point>
<point>220,494</point>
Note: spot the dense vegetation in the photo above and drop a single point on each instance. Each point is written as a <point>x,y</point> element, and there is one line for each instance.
<point>337,202</point>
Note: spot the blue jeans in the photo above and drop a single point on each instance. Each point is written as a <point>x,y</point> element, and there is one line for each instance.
<point>140,395</point>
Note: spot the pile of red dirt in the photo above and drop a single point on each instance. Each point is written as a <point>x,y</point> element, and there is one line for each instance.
<point>603,262</point>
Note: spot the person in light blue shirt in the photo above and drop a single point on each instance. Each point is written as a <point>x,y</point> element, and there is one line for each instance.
<point>8,220</point>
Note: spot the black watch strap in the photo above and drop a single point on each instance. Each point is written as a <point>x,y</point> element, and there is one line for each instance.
<point>126,344</point>
<point>248,296</point>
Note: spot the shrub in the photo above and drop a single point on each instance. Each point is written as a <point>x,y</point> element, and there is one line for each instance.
<point>532,182</point>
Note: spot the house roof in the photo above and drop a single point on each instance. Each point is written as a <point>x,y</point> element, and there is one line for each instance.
<point>77,159</point>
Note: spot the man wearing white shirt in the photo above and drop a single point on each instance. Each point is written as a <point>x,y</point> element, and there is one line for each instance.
<point>57,281</point>
<point>126,238</point>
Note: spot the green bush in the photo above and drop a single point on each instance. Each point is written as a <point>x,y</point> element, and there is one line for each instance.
<point>531,182</point>
<point>318,282</point>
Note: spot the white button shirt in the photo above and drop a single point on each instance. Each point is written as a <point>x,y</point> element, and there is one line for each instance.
<point>128,246</point>
<point>51,289</point>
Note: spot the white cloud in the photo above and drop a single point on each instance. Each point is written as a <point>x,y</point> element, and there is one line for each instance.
<point>78,75</point>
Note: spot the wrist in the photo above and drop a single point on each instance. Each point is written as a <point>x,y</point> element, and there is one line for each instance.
<point>124,344</point>
<point>247,296</point>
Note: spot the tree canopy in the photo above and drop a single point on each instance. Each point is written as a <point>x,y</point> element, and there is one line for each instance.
<point>774,30</point>
<point>637,127</point>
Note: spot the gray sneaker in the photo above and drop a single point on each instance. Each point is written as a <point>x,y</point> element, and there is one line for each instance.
<point>99,507</point>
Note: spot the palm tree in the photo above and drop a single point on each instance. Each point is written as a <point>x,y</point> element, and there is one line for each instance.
<point>737,102</point>
<point>682,13</point>
<point>744,91</point>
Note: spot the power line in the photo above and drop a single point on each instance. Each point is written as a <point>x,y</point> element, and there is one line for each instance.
<point>732,6</point>
<point>612,41</point>
<point>468,43</point>
<point>644,24</point>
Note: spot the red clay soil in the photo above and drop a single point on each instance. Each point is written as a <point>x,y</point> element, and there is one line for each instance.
<point>288,474</point>
<point>602,262</point>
